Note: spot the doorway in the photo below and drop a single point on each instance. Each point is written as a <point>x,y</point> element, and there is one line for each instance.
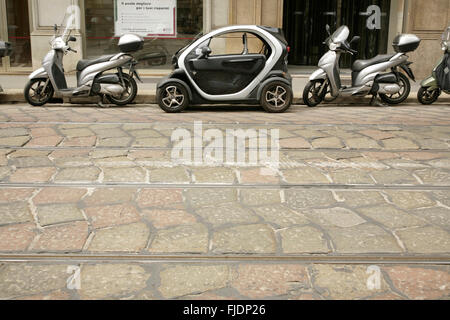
<point>15,29</point>
<point>304,24</point>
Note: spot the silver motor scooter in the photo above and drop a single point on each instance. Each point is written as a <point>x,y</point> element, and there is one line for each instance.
<point>367,77</point>
<point>119,88</point>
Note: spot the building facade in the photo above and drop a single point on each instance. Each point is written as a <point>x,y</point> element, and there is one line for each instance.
<point>28,24</point>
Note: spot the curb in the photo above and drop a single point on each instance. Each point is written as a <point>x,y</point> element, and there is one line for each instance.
<point>149,97</point>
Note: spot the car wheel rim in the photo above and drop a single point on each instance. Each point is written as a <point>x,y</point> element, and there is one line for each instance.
<point>173,97</point>
<point>277,97</point>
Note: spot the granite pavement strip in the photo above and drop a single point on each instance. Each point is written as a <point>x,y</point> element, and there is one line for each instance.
<point>96,189</point>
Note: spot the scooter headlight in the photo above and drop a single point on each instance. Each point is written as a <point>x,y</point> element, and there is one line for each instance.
<point>445,45</point>
<point>58,43</point>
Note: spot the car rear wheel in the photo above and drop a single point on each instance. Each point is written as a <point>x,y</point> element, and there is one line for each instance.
<point>172,97</point>
<point>276,97</point>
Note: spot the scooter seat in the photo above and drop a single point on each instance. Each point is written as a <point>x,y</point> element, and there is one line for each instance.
<point>359,65</point>
<point>83,64</point>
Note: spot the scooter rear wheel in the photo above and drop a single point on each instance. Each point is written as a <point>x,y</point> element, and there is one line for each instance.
<point>402,95</point>
<point>34,94</point>
<point>427,96</point>
<point>128,95</point>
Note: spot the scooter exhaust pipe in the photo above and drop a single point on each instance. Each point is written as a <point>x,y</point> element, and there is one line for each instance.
<point>389,88</point>
<point>111,89</point>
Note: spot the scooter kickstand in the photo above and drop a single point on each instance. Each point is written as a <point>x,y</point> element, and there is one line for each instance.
<point>376,102</point>
<point>101,102</point>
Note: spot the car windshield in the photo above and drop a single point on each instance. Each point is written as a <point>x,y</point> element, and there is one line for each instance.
<point>341,34</point>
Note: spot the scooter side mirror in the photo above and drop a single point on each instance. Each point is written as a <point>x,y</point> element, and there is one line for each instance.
<point>72,39</point>
<point>327,27</point>
<point>206,52</point>
<point>355,39</point>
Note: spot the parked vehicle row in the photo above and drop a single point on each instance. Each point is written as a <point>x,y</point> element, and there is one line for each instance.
<point>239,65</point>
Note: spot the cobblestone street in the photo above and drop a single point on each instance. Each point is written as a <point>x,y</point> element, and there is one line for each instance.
<point>93,188</point>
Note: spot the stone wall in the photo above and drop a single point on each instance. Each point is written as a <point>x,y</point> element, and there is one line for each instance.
<point>427,19</point>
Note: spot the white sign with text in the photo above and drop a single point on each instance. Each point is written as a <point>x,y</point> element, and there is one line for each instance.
<point>151,18</point>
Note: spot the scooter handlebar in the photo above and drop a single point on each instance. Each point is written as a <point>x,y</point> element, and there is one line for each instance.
<point>74,51</point>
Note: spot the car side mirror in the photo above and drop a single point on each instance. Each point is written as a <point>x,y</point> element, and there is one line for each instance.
<point>206,52</point>
<point>72,39</point>
<point>327,27</point>
<point>355,39</point>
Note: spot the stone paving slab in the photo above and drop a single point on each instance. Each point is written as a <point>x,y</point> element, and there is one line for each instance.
<point>216,221</point>
<point>407,137</point>
<point>229,281</point>
<point>406,114</point>
<point>132,166</point>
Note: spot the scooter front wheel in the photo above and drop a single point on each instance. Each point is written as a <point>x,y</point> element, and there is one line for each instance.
<point>311,92</point>
<point>128,95</point>
<point>35,94</point>
<point>428,96</point>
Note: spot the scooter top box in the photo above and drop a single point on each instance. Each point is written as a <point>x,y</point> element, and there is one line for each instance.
<point>130,43</point>
<point>5,49</point>
<point>406,43</point>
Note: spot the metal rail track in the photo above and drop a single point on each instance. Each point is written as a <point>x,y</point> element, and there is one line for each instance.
<point>229,259</point>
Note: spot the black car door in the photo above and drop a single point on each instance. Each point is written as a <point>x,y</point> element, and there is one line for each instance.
<point>226,74</point>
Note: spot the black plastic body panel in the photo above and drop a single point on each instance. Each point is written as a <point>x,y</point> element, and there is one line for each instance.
<point>108,78</point>
<point>58,76</point>
<point>131,47</point>
<point>386,78</point>
<point>228,74</point>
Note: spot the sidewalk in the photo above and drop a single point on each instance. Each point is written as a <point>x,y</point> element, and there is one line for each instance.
<point>13,89</point>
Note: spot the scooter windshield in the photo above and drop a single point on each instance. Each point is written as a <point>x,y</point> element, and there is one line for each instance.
<point>67,25</point>
<point>446,35</point>
<point>341,34</point>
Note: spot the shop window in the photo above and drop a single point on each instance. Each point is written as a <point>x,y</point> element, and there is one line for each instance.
<point>158,51</point>
<point>19,32</point>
